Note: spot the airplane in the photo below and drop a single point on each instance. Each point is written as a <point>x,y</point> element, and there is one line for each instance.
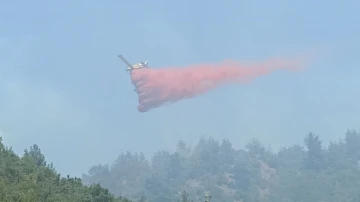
<point>135,66</point>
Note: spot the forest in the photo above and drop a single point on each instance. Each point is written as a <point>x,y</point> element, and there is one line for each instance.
<point>255,173</point>
<point>31,179</point>
<point>308,171</point>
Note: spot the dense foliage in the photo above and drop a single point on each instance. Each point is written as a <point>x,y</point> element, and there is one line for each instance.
<point>296,173</point>
<point>30,179</point>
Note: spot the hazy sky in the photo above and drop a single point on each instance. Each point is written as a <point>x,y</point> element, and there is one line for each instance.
<point>63,87</point>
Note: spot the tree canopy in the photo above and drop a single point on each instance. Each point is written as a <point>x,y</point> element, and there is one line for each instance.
<point>298,173</point>
<point>30,179</point>
<point>303,172</point>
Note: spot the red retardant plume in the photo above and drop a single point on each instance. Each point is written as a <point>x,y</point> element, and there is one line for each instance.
<point>156,87</point>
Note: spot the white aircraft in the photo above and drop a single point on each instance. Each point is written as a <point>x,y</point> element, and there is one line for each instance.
<point>135,66</point>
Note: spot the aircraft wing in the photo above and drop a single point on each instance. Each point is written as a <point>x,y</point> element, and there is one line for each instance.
<point>125,61</point>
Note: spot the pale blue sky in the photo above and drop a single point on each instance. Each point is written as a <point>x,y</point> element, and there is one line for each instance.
<point>63,87</point>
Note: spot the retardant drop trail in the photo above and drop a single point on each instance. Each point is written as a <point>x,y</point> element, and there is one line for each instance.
<point>156,87</point>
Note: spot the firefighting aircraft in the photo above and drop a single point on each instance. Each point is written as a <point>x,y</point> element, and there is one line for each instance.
<point>135,66</point>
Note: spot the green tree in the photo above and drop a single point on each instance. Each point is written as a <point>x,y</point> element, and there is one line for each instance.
<point>30,179</point>
<point>185,197</point>
<point>352,141</point>
<point>315,154</point>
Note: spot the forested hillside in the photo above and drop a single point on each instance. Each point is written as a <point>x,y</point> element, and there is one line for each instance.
<point>255,173</point>
<point>30,179</point>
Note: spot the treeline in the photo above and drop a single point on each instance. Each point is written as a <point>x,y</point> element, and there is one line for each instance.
<point>30,179</point>
<point>296,173</point>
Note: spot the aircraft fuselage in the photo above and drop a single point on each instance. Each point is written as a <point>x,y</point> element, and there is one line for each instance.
<point>135,66</point>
